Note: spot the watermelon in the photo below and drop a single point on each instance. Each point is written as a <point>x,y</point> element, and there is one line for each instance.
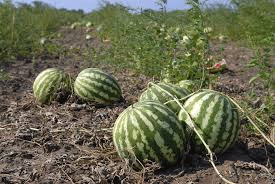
<point>157,92</point>
<point>149,130</point>
<point>96,85</point>
<point>188,84</point>
<point>216,119</point>
<point>48,82</point>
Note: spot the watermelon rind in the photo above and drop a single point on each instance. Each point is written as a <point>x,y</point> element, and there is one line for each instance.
<point>48,82</point>
<point>188,84</point>
<point>149,131</point>
<point>95,85</point>
<point>165,93</point>
<point>215,117</point>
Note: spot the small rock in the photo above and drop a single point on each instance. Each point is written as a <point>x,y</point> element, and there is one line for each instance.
<point>251,144</point>
<point>48,113</point>
<point>77,107</point>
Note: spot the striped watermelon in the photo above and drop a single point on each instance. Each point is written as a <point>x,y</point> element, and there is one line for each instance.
<point>216,118</point>
<point>93,84</point>
<point>149,130</point>
<point>156,92</point>
<point>48,82</point>
<point>188,84</point>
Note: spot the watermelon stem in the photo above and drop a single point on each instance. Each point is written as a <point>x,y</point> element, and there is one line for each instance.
<point>193,126</point>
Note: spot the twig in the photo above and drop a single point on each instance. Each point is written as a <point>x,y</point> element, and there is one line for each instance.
<point>33,142</point>
<point>71,180</point>
<point>253,165</point>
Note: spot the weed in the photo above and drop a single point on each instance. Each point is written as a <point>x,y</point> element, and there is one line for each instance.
<point>262,61</point>
<point>171,46</point>
<point>4,75</point>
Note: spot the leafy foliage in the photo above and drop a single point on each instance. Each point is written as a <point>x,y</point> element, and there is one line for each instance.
<point>168,45</point>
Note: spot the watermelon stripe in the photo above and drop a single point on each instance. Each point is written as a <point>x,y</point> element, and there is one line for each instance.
<point>44,73</point>
<point>158,92</point>
<point>165,150</point>
<point>99,80</point>
<point>169,126</point>
<point>205,107</point>
<point>220,125</point>
<point>147,129</point>
<point>164,124</point>
<point>153,96</point>
<point>196,110</point>
<point>46,87</point>
<point>209,111</point>
<point>123,143</point>
<point>232,132</point>
<point>99,85</point>
<point>94,84</point>
<point>227,126</point>
<point>47,83</point>
<point>195,98</point>
<point>87,92</point>
<point>127,141</point>
<point>216,118</point>
<point>100,75</point>
<point>145,118</point>
<point>175,91</point>
<point>144,137</point>
<point>166,128</point>
<point>236,128</point>
<point>40,80</point>
<point>91,92</point>
<point>141,127</point>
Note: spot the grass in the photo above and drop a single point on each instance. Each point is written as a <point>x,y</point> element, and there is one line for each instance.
<point>23,27</point>
<point>244,21</point>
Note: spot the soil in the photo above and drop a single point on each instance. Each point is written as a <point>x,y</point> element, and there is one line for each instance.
<point>70,141</point>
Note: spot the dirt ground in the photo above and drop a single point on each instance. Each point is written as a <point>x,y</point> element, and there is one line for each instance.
<point>69,141</point>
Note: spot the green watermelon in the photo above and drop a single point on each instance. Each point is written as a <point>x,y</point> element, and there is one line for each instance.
<point>149,130</point>
<point>94,84</point>
<point>48,82</point>
<point>216,118</point>
<point>156,92</point>
<point>188,84</point>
